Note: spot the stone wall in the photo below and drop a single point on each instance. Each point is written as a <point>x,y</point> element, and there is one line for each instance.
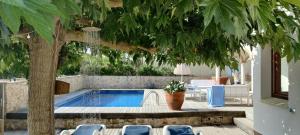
<point>21,124</point>
<point>204,118</point>
<point>16,95</point>
<point>133,82</point>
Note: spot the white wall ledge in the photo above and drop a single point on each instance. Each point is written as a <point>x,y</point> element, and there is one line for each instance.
<point>281,103</point>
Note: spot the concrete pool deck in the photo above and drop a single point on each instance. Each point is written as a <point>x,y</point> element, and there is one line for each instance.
<point>193,111</point>
<point>190,105</point>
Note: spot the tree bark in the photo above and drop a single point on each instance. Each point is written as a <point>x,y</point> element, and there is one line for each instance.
<point>43,66</point>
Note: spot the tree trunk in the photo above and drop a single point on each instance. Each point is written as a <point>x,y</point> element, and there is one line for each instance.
<point>43,66</point>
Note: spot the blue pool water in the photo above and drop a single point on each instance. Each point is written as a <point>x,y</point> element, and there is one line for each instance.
<point>107,98</point>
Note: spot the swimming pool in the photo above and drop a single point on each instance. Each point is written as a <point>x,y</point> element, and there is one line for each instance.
<point>106,98</point>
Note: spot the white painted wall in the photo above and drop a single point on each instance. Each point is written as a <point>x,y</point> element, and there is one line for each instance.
<point>271,115</point>
<point>204,71</point>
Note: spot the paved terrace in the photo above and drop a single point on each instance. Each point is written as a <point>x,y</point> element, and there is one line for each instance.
<point>150,105</point>
<point>193,112</point>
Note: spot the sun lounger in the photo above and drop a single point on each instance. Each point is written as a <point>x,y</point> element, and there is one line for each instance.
<point>86,129</point>
<point>137,130</point>
<point>179,130</point>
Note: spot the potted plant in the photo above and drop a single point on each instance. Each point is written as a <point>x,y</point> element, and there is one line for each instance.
<point>222,80</point>
<point>175,91</point>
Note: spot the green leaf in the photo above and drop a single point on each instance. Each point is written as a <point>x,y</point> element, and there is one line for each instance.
<point>43,25</point>
<point>16,3</point>
<point>209,11</point>
<point>295,2</point>
<point>11,17</point>
<point>229,14</point>
<point>44,6</point>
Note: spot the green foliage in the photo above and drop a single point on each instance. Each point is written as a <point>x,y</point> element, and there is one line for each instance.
<point>167,71</point>
<point>229,14</point>
<point>96,10</point>
<point>103,65</point>
<point>123,69</point>
<point>175,86</point>
<point>150,71</point>
<point>14,60</point>
<point>38,14</point>
<point>295,2</point>
<point>201,32</point>
<point>70,59</point>
<point>179,36</point>
<point>183,31</point>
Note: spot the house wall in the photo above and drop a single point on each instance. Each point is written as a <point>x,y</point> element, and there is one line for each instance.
<point>271,115</point>
<point>207,72</point>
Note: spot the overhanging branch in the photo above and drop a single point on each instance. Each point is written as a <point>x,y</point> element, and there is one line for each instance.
<point>115,3</point>
<point>122,46</point>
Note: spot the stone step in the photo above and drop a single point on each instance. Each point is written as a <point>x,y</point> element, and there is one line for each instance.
<point>245,124</point>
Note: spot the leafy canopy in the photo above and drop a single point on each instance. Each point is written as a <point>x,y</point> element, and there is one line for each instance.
<point>38,14</point>
<point>190,31</point>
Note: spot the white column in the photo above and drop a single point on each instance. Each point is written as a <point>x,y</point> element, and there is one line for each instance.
<point>242,73</point>
<point>218,74</point>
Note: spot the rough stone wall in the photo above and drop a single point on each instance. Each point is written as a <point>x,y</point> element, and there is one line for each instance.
<point>16,95</point>
<point>203,120</point>
<point>133,82</point>
<point>154,122</point>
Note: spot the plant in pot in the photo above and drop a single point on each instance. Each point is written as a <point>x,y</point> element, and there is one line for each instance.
<point>175,91</point>
<point>221,79</point>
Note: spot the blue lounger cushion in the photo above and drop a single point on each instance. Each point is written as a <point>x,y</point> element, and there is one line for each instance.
<point>87,129</point>
<point>180,130</point>
<point>137,130</point>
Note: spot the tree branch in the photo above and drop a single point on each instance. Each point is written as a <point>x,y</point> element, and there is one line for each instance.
<point>122,46</point>
<point>115,3</point>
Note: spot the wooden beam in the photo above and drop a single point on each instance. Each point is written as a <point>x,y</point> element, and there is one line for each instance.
<point>116,3</point>
<point>80,36</point>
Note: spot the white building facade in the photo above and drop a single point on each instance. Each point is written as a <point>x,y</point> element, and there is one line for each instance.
<point>275,116</point>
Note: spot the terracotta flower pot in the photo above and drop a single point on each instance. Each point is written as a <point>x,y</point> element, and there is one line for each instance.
<point>175,100</point>
<point>222,80</point>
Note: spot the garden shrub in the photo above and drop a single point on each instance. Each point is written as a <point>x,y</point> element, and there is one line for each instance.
<point>150,71</point>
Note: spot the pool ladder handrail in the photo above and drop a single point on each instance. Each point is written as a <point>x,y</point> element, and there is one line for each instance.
<point>147,96</point>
